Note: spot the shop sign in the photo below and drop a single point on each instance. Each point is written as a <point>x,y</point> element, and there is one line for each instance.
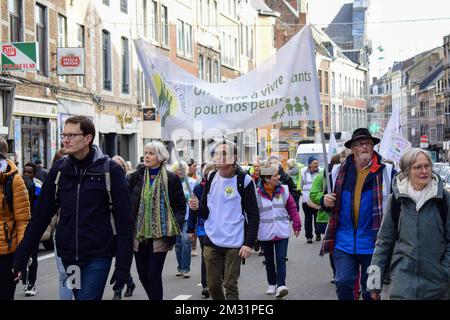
<point>70,61</point>
<point>19,56</point>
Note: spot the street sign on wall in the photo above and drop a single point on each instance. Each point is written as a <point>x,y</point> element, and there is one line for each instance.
<point>19,56</point>
<point>70,61</point>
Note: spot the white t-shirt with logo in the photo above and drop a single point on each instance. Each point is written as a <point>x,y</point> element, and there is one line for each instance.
<point>225,223</point>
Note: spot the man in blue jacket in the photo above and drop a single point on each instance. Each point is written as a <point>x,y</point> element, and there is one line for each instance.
<point>362,185</point>
<point>95,222</point>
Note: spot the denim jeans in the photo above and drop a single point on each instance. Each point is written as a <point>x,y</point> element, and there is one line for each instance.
<point>183,250</point>
<point>347,270</point>
<point>201,239</point>
<point>277,277</point>
<point>93,276</point>
<point>149,266</point>
<point>64,292</point>
<point>30,276</point>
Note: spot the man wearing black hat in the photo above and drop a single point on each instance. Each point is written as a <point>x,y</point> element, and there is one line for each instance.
<point>362,185</point>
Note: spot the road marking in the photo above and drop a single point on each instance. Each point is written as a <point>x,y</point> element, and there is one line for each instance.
<point>182,297</point>
<point>50,255</point>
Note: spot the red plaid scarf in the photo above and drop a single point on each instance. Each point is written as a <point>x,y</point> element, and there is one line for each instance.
<point>377,202</point>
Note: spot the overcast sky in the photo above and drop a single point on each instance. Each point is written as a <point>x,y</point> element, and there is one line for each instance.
<point>400,40</point>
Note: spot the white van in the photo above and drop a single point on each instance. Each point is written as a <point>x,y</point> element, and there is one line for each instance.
<point>305,150</point>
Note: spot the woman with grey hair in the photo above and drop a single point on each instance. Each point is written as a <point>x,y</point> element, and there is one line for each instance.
<point>414,241</point>
<point>159,208</point>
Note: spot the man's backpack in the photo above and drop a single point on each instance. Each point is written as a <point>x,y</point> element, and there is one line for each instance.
<point>396,211</point>
<point>106,169</point>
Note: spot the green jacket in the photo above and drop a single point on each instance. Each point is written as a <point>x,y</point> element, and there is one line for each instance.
<point>419,261</point>
<point>318,188</point>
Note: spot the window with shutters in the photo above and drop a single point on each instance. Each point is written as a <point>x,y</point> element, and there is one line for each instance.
<point>81,44</point>
<point>15,20</point>
<point>62,38</point>
<point>41,38</point>
<point>165,25</point>
<point>125,66</point>
<point>106,60</point>
<point>124,6</point>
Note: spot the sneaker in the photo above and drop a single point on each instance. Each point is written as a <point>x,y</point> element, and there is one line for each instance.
<point>205,292</point>
<point>31,290</point>
<point>286,259</point>
<point>117,295</point>
<point>333,280</point>
<point>186,275</point>
<point>194,253</point>
<point>24,287</point>
<point>281,292</point>
<point>180,274</point>
<point>271,290</point>
<point>309,241</point>
<point>318,237</point>
<point>129,291</point>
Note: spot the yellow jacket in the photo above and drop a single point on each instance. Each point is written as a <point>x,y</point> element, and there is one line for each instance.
<point>21,204</point>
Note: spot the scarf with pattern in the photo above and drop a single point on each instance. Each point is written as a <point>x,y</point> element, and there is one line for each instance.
<point>155,217</point>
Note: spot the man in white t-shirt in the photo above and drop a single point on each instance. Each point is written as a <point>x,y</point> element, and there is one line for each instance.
<point>228,201</point>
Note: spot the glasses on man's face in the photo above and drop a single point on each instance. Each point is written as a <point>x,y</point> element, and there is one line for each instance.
<point>70,136</point>
<point>420,168</point>
<point>363,144</point>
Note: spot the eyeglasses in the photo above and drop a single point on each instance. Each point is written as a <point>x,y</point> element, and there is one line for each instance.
<point>71,136</point>
<point>363,144</point>
<point>419,168</point>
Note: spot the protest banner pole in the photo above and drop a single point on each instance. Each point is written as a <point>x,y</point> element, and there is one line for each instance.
<point>325,158</point>
<point>183,172</point>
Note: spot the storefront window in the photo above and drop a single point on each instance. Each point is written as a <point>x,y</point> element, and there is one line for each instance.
<point>34,136</point>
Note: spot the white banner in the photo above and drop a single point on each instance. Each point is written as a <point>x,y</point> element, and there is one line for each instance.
<point>392,127</point>
<point>397,147</point>
<point>282,88</point>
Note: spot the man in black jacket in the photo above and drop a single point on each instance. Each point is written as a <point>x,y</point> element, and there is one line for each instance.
<point>223,206</point>
<point>93,228</point>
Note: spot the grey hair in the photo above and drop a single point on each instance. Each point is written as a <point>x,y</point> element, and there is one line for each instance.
<point>409,158</point>
<point>207,169</point>
<point>176,166</point>
<point>123,162</point>
<point>160,149</point>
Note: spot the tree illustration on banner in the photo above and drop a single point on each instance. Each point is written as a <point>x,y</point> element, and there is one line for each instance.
<point>166,99</point>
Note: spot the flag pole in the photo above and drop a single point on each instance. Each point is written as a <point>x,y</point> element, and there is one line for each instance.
<point>183,172</point>
<point>324,148</point>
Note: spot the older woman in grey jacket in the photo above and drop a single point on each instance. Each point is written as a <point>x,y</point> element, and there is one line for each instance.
<point>414,240</point>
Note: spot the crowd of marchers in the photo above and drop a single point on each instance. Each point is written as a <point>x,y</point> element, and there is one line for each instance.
<point>381,223</point>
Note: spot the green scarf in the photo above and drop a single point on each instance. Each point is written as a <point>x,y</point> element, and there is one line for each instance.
<point>155,216</point>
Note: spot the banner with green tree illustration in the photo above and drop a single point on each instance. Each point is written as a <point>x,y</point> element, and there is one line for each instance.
<point>283,88</point>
